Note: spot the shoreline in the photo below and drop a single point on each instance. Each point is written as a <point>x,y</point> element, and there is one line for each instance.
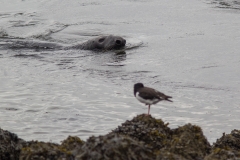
<point>143,137</point>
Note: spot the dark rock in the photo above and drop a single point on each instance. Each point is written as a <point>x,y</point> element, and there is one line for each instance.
<point>73,145</point>
<point>10,145</point>
<point>223,154</point>
<point>117,147</point>
<point>227,147</point>
<point>35,150</point>
<point>229,141</point>
<point>189,142</point>
<point>144,128</point>
<point>164,155</point>
<point>142,138</point>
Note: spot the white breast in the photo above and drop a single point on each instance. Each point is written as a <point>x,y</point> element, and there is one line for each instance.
<point>147,101</point>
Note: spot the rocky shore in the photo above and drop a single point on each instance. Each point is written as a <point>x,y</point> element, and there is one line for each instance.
<point>142,138</point>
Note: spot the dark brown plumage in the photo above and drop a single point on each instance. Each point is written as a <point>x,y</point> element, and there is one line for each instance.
<point>148,95</point>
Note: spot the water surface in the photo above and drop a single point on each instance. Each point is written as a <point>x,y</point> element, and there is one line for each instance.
<point>190,51</point>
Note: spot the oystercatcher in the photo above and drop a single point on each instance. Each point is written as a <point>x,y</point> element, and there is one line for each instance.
<point>148,95</point>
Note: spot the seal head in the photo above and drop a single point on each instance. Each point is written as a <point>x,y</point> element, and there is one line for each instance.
<point>104,43</point>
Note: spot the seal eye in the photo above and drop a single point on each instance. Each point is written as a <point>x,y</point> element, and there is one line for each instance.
<point>118,42</point>
<point>101,40</point>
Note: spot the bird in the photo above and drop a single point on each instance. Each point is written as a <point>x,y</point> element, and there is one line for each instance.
<point>148,95</point>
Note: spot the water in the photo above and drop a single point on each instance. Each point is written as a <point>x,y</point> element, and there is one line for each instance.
<point>190,51</point>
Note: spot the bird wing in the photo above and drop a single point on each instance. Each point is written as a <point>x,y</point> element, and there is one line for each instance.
<point>146,95</point>
<point>150,93</point>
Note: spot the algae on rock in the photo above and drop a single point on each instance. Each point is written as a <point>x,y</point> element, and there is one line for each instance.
<point>186,142</point>
<point>44,151</point>
<point>189,142</point>
<point>142,138</point>
<point>10,145</point>
<point>117,147</point>
<point>227,147</point>
<point>151,131</point>
<point>73,145</point>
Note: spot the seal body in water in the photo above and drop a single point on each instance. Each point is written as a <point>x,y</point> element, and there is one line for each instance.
<point>109,42</point>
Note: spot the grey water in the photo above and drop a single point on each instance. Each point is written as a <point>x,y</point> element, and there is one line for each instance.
<point>190,51</point>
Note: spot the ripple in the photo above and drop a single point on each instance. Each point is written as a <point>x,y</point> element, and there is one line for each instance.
<point>11,109</point>
<point>115,64</point>
<point>21,55</point>
<point>32,111</point>
<point>40,132</point>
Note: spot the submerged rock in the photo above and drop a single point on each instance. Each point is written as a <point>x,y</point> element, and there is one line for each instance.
<point>10,145</point>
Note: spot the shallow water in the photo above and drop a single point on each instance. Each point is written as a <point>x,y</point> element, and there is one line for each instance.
<point>190,51</point>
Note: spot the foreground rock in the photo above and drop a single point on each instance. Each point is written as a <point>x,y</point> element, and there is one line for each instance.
<point>42,150</point>
<point>186,142</point>
<point>10,145</point>
<point>142,138</point>
<point>189,142</point>
<point>227,147</point>
<point>151,131</point>
<point>113,146</point>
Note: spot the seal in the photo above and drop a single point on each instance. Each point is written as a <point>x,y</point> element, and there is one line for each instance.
<point>105,43</point>
<point>109,42</point>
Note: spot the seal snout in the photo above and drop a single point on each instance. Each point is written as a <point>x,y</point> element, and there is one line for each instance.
<point>124,42</point>
<point>120,42</point>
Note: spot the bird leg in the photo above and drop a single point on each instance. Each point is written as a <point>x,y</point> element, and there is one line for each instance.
<point>148,109</point>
